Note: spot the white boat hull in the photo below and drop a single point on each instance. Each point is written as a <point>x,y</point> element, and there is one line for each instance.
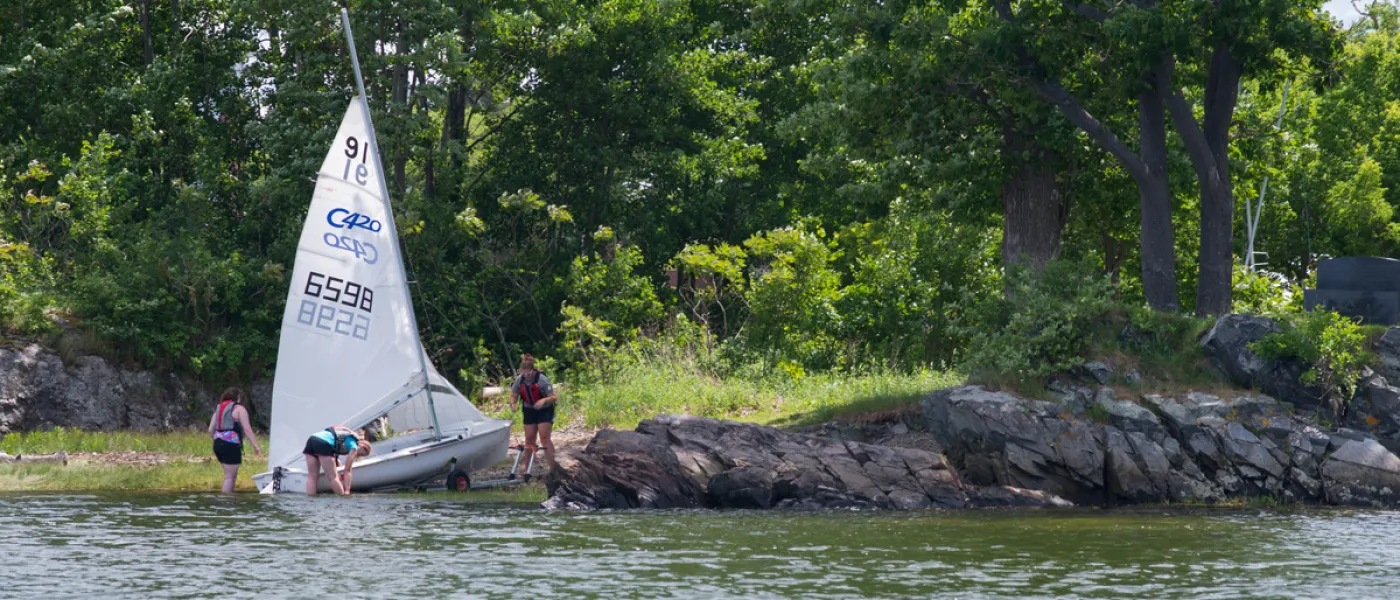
<point>407,459</point>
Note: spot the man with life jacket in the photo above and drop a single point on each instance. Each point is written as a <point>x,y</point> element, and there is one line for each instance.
<point>536,396</point>
<point>229,427</point>
<point>323,451</point>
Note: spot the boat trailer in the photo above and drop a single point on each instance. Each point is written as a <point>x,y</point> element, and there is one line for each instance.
<point>456,480</point>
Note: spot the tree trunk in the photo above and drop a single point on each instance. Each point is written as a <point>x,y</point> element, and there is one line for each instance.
<point>149,55</point>
<point>1208,145</point>
<point>1158,243</point>
<point>1214,289</point>
<point>399,96</point>
<point>1034,211</point>
<point>1147,168</point>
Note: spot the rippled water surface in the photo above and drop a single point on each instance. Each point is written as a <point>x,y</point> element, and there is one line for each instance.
<point>185,546</point>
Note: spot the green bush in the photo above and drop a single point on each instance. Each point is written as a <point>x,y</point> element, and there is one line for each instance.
<point>792,296</point>
<point>1265,293</point>
<point>1333,346</point>
<point>606,288</point>
<point>907,274</point>
<point>1042,325</point>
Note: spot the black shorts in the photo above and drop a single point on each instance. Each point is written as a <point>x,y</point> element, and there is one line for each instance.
<point>535,417</point>
<point>228,453</point>
<point>318,447</point>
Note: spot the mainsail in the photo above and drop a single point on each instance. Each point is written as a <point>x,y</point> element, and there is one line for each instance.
<point>349,350</point>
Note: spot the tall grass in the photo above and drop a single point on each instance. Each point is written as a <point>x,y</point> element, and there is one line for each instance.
<point>194,443</point>
<point>640,390</point>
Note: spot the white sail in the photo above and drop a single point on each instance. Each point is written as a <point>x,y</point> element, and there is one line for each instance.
<point>348,347</point>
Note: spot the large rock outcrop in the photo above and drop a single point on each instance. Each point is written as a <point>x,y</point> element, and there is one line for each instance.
<point>38,390</point>
<point>1228,345</point>
<point>678,461</point>
<point>1194,448</point>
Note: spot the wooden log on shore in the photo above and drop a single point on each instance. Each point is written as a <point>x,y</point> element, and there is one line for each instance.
<point>60,457</point>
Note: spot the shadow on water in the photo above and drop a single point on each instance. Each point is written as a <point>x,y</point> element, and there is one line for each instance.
<point>436,546</point>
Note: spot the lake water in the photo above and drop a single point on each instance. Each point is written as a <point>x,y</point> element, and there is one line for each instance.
<point>196,546</point>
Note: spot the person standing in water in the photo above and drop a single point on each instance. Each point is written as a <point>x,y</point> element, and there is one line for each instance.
<point>323,451</point>
<point>536,396</point>
<point>229,427</point>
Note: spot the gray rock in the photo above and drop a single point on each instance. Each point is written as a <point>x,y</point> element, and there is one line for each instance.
<point>623,469</point>
<point>1026,442</point>
<point>677,461</point>
<point>1388,356</point>
<point>1375,409</point>
<point>38,390</point>
<point>1101,372</point>
<point>1133,377</point>
<point>742,487</point>
<point>1362,473</point>
<point>1129,416</point>
<point>1227,343</point>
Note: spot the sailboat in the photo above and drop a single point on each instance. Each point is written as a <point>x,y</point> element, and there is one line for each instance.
<point>350,351</point>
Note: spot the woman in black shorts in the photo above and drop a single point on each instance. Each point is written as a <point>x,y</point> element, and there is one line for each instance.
<point>229,427</point>
<point>537,399</point>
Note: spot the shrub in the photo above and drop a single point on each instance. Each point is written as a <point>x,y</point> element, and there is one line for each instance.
<point>792,296</point>
<point>606,288</point>
<point>1265,293</point>
<point>1041,326</point>
<point>1332,345</point>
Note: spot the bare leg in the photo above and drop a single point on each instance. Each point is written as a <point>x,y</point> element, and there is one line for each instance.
<point>328,462</point>
<point>546,443</point>
<point>313,472</point>
<point>230,477</point>
<point>530,432</point>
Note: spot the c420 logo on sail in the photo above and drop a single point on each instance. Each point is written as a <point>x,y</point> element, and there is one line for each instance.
<point>340,218</point>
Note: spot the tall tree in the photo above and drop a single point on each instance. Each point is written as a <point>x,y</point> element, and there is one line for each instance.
<point>1042,61</point>
<point>1258,39</point>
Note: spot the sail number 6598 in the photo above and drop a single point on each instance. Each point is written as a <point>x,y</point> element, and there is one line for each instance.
<point>329,317</point>
<point>342,291</point>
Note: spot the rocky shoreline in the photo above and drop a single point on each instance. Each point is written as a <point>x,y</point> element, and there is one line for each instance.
<point>992,448</point>
<point>1093,439</point>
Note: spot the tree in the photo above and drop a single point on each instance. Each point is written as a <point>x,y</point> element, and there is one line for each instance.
<point>1158,40</point>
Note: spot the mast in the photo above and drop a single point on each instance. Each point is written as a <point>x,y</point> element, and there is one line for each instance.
<point>389,215</point>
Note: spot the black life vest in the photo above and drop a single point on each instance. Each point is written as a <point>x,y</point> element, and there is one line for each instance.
<point>342,435</point>
<point>530,392</point>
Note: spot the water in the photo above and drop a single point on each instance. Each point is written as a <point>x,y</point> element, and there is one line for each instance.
<point>187,546</point>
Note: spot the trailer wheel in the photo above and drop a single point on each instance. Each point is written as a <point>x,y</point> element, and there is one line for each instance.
<point>458,481</point>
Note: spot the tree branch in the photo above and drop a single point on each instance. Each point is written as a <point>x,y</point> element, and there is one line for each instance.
<point>1194,138</point>
<point>1055,93</point>
<point>1221,96</point>
<point>1084,10</point>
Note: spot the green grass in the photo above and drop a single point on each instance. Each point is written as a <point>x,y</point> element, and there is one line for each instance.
<point>192,442</point>
<point>641,392</point>
<point>180,461</point>
<point>178,473</point>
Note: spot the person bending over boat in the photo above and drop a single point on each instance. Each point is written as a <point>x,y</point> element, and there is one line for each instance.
<point>323,451</point>
<point>229,427</point>
<point>536,396</point>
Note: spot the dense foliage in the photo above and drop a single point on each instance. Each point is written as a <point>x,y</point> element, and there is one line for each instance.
<point>785,186</point>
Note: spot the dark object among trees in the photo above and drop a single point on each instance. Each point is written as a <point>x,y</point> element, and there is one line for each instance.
<point>1363,287</point>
